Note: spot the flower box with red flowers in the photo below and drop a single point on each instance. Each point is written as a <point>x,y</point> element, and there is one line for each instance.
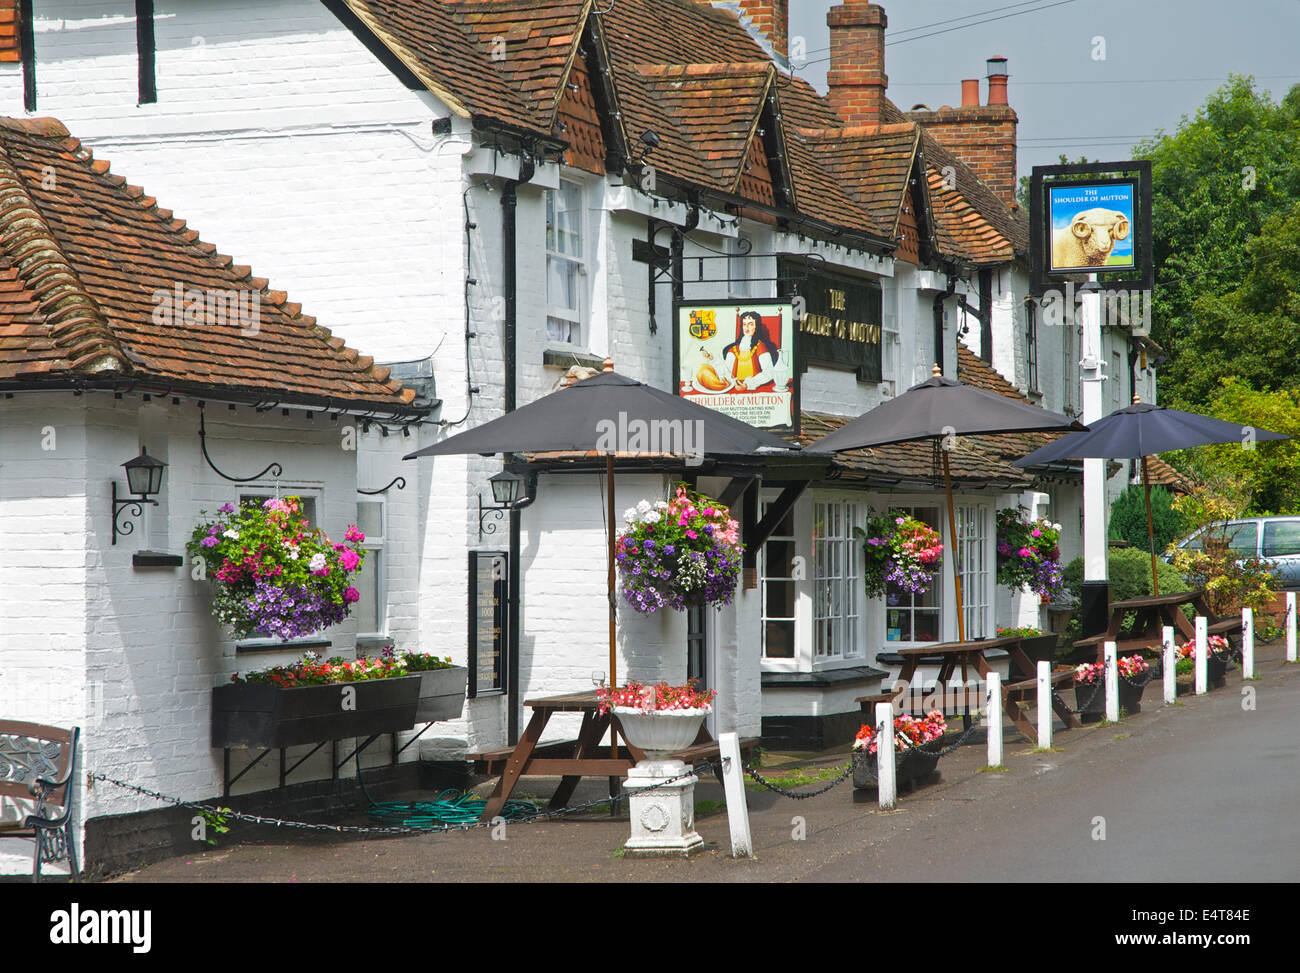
<point>1216,663</point>
<point>1090,686</point>
<point>915,739</point>
<point>312,701</point>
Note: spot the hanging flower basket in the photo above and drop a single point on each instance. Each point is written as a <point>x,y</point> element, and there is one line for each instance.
<point>899,554</point>
<point>273,574</point>
<point>1029,554</point>
<point>911,765</point>
<point>680,553</point>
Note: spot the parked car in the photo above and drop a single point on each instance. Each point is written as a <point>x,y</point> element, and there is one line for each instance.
<point>1272,539</point>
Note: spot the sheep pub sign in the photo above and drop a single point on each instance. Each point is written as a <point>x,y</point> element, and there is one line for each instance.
<point>1091,218</point>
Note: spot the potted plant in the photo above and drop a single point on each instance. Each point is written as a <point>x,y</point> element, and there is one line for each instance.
<point>900,554</point>
<point>273,574</point>
<point>1216,662</point>
<point>658,720</point>
<point>1090,686</point>
<point>1029,553</point>
<point>680,553</point>
<point>1038,645</point>
<point>910,733</point>
<point>313,700</point>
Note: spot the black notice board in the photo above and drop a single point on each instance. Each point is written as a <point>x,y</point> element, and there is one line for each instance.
<point>488,593</point>
<point>837,318</point>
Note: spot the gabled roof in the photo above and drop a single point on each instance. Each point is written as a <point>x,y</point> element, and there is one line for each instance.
<point>713,108</point>
<point>691,73</point>
<point>90,270</point>
<point>872,162</point>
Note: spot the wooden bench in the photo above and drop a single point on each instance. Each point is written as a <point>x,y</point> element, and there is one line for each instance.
<point>490,763</point>
<point>38,763</point>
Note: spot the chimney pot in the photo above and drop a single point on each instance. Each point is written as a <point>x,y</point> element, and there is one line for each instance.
<point>970,93</point>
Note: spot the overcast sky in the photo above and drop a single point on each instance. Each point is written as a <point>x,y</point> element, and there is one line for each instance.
<point>1161,59</point>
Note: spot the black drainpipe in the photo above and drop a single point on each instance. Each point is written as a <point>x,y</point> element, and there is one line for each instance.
<point>509,235</point>
<point>939,350</point>
<point>986,315</point>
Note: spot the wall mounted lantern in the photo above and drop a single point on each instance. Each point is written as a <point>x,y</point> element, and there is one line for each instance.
<point>506,491</point>
<point>144,476</point>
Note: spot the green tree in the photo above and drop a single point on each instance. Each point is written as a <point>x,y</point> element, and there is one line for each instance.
<point>1251,332</point>
<point>1217,180</point>
<point>1265,475</point>
<point>1128,518</point>
<point>1022,190</point>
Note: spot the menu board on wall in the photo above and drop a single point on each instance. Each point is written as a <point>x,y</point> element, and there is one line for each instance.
<point>488,592</point>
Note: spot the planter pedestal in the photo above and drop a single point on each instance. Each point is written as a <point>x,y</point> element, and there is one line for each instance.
<point>662,815</point>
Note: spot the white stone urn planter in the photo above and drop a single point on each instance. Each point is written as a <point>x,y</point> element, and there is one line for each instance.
<point>660,733</point>
<point>661,790</point>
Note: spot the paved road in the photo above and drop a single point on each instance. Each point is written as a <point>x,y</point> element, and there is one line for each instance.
<point>1203,791</point>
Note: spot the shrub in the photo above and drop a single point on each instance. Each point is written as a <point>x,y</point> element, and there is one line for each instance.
<point>1128,518</point>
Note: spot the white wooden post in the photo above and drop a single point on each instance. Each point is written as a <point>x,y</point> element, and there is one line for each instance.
<point>886,780</point>
<point>1202,653</point>
<point>1045,704</point>
<point>733,785</point>
<point>1247,643</point>
<point>1290,626</point>
<point>1169,664</point>
<point>994,721</point>
<point>1112,683</point>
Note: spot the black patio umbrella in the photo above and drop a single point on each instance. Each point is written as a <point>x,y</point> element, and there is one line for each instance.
<point>1139,431</point>
<point>941,407</point>
<point>606,414</point>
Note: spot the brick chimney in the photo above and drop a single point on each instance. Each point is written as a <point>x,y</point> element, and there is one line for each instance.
<point>982,136</point>
<point>768,21</point>
<point>856,77</point>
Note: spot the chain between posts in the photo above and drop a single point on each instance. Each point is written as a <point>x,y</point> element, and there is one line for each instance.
<point>705,767</point>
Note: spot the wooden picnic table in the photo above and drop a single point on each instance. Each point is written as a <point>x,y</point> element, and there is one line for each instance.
<point>571,761</point>
<point>1153,613</point>
<point>972,654</point>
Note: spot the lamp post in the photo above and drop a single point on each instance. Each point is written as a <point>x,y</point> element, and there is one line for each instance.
<point>144,476</point>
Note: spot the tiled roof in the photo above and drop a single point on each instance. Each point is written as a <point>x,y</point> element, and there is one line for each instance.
<point>691,73</point>
<point>914,462</point>
<point>89,269</point>
<point>872,163</point>
<point>973,370</point>
<point>713,108</point>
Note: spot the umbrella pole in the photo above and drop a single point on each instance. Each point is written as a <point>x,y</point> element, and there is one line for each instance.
<point>613,656</point>
<point>956,570</point>
<point>1151,530</point>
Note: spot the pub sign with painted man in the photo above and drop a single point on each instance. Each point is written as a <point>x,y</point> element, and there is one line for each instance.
<point>738,358</point>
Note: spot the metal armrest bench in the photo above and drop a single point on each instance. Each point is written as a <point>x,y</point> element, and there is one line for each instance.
<point>38,763</point>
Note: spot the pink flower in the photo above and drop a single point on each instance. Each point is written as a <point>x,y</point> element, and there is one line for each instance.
<point>349,559</point>
<point>351,595</point>
<point>354,535</point>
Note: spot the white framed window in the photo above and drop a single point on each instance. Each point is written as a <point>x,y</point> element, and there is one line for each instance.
<point>776,570</point>
<point>566,270</point>
<point>975,563</point>
<point>837,600</point>
<point>912,618</point>
<point>370,610</point>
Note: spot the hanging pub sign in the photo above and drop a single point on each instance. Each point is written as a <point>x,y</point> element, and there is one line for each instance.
<point>1092,218</point>
<point>738,357</point>
<point>488,591</point>
<point>838,318</point>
